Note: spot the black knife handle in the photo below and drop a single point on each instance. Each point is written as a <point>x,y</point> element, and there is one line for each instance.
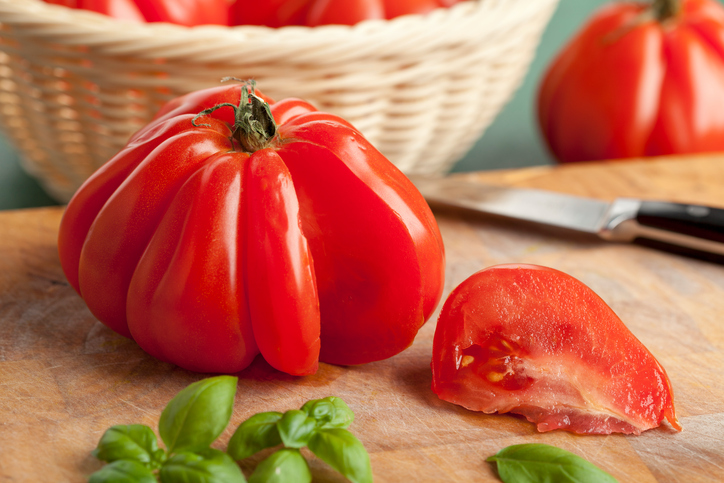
<point>696,221</point>
<point>693,220</point>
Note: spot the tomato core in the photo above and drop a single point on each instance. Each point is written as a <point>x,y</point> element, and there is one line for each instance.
<point>500,361</point>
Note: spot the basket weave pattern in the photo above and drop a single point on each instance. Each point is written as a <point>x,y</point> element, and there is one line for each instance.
<point>74,85</point>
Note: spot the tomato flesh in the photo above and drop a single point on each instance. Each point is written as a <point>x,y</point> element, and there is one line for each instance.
<point>534,341</point>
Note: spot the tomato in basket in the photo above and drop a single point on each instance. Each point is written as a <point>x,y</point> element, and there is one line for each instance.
<point>232,225</point>
<point>278,13</point>
<point>181,12</point>
<point>639,79</point>
<point>534,341</point>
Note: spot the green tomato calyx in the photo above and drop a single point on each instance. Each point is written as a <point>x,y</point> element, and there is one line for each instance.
<point>664,10</point>
<point>254,126</point>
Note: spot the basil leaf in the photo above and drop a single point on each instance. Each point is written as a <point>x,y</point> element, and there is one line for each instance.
<point>198,414</point>
<point>135,442</point>
<point>123,471</point>
<point>341,450</point>
<point>206,466</point>
<point>285,466</point>
<point>539,463</point>
<point>295,428</point>
<point>330,412</point>
<point>255,434</point>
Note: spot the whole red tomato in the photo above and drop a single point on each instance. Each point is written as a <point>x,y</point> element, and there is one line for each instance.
<point>638,80</point>
<point>535,341</point>
<point>253,228</point>
<point>278,13</point>
<point>181,12</point>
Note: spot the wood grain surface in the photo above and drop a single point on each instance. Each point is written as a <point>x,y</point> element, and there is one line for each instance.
<point>65,378</point>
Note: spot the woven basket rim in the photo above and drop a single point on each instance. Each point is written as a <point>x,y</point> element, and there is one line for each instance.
<point>385,76</point>
<point>67,26</point>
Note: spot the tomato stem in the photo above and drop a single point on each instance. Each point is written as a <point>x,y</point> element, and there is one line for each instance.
<point>666,9</point>
<point>254,127</point>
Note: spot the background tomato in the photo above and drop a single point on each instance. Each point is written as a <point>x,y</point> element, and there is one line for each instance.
<point>343,12</point>
<point>272,13</point>
<point>186,12</point>
<point>278,13</point>
<point>638,80</point>
<point>534,341</point>
<point>120,9</point>
<point>208,244</point>
<point>181,12</point>
<point>65,3</point>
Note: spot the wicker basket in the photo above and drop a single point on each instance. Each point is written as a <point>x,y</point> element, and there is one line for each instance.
<point>74,85</point>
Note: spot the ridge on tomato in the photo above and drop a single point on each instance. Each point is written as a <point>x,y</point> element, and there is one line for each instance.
<point>639,79</point>
<point>535,341</point>
<point>232,225</point>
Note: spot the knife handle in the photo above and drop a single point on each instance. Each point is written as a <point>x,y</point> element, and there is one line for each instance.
<point>693,220</point>
<point>692,230</point>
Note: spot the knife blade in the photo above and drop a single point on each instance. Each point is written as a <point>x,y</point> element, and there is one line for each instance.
<point>687,229</point>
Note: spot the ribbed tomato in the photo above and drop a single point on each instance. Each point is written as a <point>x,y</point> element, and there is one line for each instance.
<point>639,79</point>
<point>535,341</point>
<point>253,227</point>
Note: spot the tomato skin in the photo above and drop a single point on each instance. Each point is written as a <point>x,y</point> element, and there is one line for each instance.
<point>343,12</point>
<point>535,341</point>
<point>181,12</point>
<point>137,206</point>
<point>395,8</point>
<point>629,86</point>
<point>185,303</point>
<point>186,12</point>
<point>65,3</point>
<point>314,248</point>
<point>271,13</point>
<point>280,279</point>
<point>279,13</point>
<point>120,9</point>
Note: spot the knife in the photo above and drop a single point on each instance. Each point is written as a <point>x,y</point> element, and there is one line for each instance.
<point>686,229</point>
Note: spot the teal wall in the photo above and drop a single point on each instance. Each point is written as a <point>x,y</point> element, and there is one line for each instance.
<point>511,141</point>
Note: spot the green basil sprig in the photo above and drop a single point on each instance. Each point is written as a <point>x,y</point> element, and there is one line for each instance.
<point>191,421</point>
<point>284,466</point>
<point>198,414</point>
<point>123,471</point>
<point>135,442</point>
<point>204,466</point>
<point>196,417</point>
<point>541,463</point>
<point>321,425</point>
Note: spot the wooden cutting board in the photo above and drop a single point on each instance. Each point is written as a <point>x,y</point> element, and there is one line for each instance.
<point>65,378</point>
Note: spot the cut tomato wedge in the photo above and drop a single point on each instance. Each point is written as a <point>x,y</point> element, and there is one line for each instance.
<point>535,341</point>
